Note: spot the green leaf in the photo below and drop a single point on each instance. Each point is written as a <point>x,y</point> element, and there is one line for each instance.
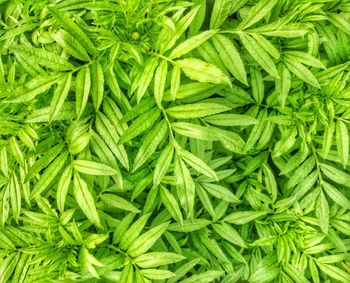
<point>191,43</point>
<point>85,199</point>
<point>197,164</point>
<point>140,124</point>
<point>150,143</point>
<point>73,29</point>
<point>259,54</point>
<point>202,71</point>
<point>71,45</point>
<point>334,272</point>
<point>49,175</point>
<point>93,168</point>
<point>155,259</point>
<point>44,58</point>
<point>160,81</point>
<point>163,163</point>
<point>229,233</point>
<point>256,13</point>
<point>323,210</point>
<point>118,202</point>
<point>143,243</point>
<point>342,139</point>
<point>97,84</point>
<point>230,57</point>
<point>60,96</point>
<point>231,120</point>
<point>82,90</point>
<point>63,186</point>
<point>301,72</point>
<point>185,186</point>
<point>335,175</point>
<point>242,217</point>
<point>33,88</point>
<point>195,110</point>
<point>220,192</point>
<point>204,277</point>
<point>336,195</point>
<point>171,204</point>
<point>221,10</point>
<point>157,274</point>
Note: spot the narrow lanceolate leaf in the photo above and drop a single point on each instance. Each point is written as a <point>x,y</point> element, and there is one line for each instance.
<point>259,54</point>
<point>301,72</point>
<point>196,110</point>
<point>49,175</point>
<point>33,88</point>
<point>85,199</point>
<point>197,164</point>
<point>71,45</point>
<point>231,120</point>
<point>202,71</point>
<point>175,82</point>
<point>163,163</point>
<point>180,28</point>
<point>93,168</point>
<point>97,84</point>
<point>221,10</point>
<point>155,259</point>
<point>118,202</point>
<point>133,232</point>
<point>150,143</point>
<point>231,57</point>
<point>63,186</point>
<point>71,27</point>
<point>191,43</point>
<point>44,58</point>
<point>336,175</point>
<point>143,243</point>
<point>141,124</point>
<point>334,272</point>
<point>242,217</point>
<point>338,197</point>
<point>220,192</point>
<point>229,234</point>
<point>342,139</point>
<point>185,186</point>
<point>256,13</point>
<point>82,89</point>
<point>60,95</point>
<point>283,84</point>
<point>157,274</point>
<point>171,204</point>
<point>323,210</point>
<point>146,77</point>
<point>159,81</point>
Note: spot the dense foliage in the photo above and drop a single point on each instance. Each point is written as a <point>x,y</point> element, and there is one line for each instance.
<point>180,141</point>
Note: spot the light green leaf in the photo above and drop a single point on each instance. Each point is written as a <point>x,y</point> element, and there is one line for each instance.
<point>97,84</point>
<point>191,43</point>
<point>71,45</point>
<point>93,168</point>
<point>118,202</point>
<point>259,54</point>
<point>230,57</point>
<point>82,89</point>
<point>143,243</point>
<point>231,120</point>
<point>155,259</point>
<point>342,139</point>
<point>201,71</point>
<point>196,110</point>
<point>71,27</point>
<point>85,199</point>
<point>242,217</point>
